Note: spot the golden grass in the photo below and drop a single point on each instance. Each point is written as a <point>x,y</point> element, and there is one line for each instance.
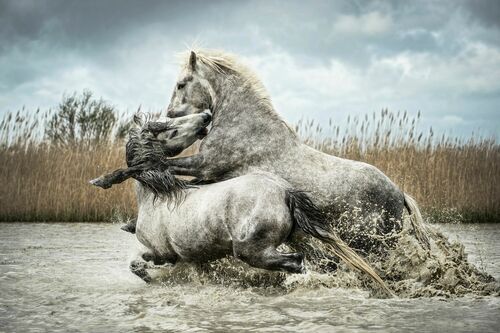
<point>51,184</point>
<point>46,182</point>
<point>452,178</point>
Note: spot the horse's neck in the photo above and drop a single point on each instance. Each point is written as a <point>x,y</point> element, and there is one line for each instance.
<point>242,113</point>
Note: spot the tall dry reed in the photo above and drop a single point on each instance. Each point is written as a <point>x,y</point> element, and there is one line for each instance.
<point>46,183</point>
<point>452,178</point>
<point>46,179</point>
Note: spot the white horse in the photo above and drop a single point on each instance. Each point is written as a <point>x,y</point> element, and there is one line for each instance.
<point>247,135</point>
<point>247,217</point>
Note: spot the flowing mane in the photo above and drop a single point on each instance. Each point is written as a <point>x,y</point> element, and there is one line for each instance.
<point>147,162</point>
<point>227,64</point>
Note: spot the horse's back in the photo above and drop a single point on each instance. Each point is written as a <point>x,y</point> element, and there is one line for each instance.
<point>204,225</point>
<point>335,182</point>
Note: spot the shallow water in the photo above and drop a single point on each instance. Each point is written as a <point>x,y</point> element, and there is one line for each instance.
<point>74,277</point>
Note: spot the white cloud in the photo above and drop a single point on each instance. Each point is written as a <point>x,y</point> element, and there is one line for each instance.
<point>476,69</point>
<point>439,86</point>
<point>127,77</point>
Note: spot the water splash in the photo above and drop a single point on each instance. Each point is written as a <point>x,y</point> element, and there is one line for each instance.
<point>406,266</point>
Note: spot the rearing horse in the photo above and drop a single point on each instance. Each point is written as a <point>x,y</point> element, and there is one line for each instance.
<point>247,217</point>
<point>247,135</point>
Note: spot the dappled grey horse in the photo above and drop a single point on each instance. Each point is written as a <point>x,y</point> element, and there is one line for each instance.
<point>248,135</point>
<point>247,217</point>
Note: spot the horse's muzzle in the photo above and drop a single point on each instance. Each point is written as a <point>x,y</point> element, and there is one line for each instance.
<point>207,118</point>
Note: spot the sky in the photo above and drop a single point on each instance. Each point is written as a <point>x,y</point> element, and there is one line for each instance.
<point>318,59</point>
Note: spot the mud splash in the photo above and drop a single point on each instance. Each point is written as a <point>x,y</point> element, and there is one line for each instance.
<point>408,268</point>
<point>441,271</point>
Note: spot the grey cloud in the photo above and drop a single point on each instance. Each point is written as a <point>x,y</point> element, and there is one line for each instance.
<point>90,23</point>
<point>123,49</point>
<point>93,27</point>
<point>485,11</point>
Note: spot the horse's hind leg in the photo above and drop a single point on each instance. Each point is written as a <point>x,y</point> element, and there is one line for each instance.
<point>269,258</point>
<point>138,267</point>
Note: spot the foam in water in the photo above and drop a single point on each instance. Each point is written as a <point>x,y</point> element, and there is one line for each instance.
<point>409,269</point>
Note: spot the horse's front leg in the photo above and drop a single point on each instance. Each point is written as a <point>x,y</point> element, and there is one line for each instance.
<point>140,264</point>
<point>119,176</point>
<point>187,166</point>
<point>138,267</point>
<point>146,259</point>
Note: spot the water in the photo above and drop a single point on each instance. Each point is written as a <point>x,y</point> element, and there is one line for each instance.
<point>74,277</point>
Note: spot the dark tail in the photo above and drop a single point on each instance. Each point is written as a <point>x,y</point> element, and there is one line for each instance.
<point>309,218</point>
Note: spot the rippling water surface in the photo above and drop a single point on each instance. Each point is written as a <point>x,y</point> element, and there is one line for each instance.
<point>74,277</point>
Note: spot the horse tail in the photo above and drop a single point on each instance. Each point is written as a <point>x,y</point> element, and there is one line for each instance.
<point>309,218</point>
<point>417,221</point>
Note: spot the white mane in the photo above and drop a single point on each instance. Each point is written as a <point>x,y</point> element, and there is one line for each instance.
<point>226,64</point>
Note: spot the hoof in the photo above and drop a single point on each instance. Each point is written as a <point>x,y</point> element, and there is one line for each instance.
<point>99,182</point>
<point>294,263</point>
<point>301,269</point>
<point>295,269</point>
<point>128,228</point>
<point>139,269</point>
<point>147,278</point>
<point>148,257</point>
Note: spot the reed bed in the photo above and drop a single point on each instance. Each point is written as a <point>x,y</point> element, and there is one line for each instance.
<point>47,183</point>
<point>48,158</point>
<point>453,179</point>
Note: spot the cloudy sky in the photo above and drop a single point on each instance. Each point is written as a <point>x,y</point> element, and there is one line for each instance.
<point>318,59</point>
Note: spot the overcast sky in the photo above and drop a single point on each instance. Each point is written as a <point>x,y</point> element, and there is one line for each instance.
<point>318,59</point>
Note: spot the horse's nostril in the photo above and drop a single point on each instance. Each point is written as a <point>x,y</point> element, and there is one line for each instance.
<point>207,118</point>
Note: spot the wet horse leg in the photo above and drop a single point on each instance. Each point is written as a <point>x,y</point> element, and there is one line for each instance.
<point>186,166</point>
<point>262,255</point>
<point>146,259</point>
<point>140,264</point>
<point>138,267</point>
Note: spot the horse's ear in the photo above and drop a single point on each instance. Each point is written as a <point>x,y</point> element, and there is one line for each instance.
<point>192,61</point>
<point>139,118</point>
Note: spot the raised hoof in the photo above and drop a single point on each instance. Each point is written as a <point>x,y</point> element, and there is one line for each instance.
<point>99,182</point>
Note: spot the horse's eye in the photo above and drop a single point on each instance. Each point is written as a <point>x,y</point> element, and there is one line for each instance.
<point>181,85</point>
<point>173,134</point>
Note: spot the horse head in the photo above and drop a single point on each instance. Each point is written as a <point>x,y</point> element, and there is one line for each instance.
<point>152,141</point>
<point>148,147</point>
<point>193,92</point>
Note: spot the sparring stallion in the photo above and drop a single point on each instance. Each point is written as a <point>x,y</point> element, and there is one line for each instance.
<point>247,217</point>
<point>362,203</point>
